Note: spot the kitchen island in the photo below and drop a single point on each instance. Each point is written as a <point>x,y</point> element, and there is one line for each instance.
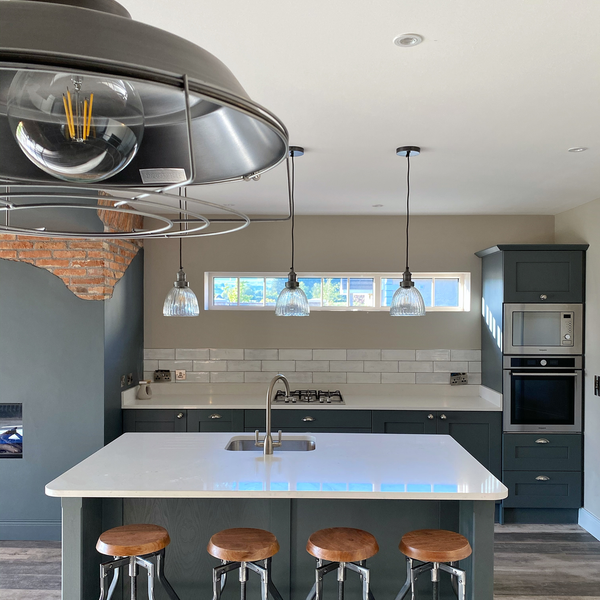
<point>189,483</point>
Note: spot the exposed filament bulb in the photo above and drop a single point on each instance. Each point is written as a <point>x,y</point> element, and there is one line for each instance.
<point>78,111</point>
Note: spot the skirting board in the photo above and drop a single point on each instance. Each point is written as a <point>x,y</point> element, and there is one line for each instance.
<point>589,522</point>
<point>30,530</point>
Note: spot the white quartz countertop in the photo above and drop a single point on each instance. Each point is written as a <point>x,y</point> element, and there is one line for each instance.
<point>383,397</point>
<point>361,466</point>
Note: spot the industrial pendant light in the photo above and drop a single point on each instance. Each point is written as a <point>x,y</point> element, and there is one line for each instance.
<point>407,300</point>
<point>292,301</point>
<point>181,300</point>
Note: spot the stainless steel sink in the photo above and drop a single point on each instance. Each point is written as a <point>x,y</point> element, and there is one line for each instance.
<point>298,444</point>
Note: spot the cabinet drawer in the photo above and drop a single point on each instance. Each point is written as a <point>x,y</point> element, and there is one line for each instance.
<point>557,489</point>
<point>310,420</point>
<point>556,452</point>
<point>215,420</point>
<point>154,420</point>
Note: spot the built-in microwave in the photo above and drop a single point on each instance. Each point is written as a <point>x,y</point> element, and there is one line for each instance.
<point>543,329</point>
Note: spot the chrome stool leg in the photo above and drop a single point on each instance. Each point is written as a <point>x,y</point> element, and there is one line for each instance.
<point>459,576</point>
<point>160,574</point>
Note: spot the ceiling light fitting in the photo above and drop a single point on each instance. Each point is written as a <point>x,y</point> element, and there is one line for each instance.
<point>292,301</point>
<point>408,40</point>
<point>181,300</point>
<point>89,95</point>
<point>577,149</point>
<point>407,300</point>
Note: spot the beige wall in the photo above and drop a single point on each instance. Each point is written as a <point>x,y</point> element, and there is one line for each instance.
<point>579,225</point>
<point>438,243</point>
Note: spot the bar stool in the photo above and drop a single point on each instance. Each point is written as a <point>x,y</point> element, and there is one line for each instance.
<point>435,549</point>
<point>135,546</point>
<point>344,548</point>
<point>244,549</point>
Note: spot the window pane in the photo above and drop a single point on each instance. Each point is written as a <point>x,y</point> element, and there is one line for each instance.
<point>251,290</point>
<point>446,292</point>
<point>388,288</point>
<point>362,292</point>
<point>225,291</point>
<point>425,286</point>
<point>335,292</point>
<point>274,287</point>
<point>312,289</point>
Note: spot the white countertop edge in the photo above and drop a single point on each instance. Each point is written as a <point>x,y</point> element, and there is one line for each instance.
<point>274,495</point>
<point>478,398</point>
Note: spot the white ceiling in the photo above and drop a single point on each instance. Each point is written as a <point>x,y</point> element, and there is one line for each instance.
<point>495,95</point>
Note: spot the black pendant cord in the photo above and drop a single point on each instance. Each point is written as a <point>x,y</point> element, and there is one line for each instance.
<point>291,182</point>
<point>407,203</point>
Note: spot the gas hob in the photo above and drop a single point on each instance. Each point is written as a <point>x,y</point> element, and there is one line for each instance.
<point>309,397</point>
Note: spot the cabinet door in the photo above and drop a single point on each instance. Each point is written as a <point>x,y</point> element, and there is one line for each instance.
<point>316,420</point>
<point>542,489</point>
<point>404,421</point>
<point>556,274</point>
<point>549,451</point>
<point>479,433</point>
<point>153,420</point>
<point>215,420</point>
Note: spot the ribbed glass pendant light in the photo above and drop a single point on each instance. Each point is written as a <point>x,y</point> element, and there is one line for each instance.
<point>292,301</point>
<point>407,300</point>
<point>181,300</point>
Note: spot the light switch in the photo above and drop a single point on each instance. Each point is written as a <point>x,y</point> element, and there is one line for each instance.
<point>180,375</point>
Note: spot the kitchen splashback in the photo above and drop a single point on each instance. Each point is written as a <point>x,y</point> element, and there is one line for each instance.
<point>314,366</point>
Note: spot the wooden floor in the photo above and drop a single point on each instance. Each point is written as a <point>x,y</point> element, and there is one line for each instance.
<point>533,562</point>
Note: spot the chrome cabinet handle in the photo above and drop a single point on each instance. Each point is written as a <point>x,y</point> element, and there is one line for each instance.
<point>308,419</point>
<point>543,297</point>
<point>443,417</point>
<point>180,415</point>
<point>215,416</point>
<point>430,416</point>
<point>542,441</point>
<point>542,478</point>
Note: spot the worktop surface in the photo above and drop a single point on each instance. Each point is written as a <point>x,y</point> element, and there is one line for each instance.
<point>360,466</point>
<point>356,397</point>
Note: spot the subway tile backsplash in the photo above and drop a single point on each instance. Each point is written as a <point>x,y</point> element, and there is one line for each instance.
<point>318,366</point>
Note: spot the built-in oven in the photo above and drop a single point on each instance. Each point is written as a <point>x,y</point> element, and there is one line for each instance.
<point>543,394</point>
<point>543,329</point>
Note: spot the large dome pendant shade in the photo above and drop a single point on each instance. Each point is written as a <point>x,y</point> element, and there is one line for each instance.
<point>193,124</point>
<point>407,300</point>
<point>292,301</point>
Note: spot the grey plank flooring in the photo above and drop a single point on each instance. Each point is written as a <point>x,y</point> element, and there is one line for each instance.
<point>532,562</point>
<point>559,562</point>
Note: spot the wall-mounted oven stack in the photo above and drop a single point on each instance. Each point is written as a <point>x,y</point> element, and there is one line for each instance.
<point>532,352</point>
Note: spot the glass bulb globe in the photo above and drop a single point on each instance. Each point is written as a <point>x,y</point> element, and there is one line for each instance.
<point>407,302</point>
<point>181,301</point>
<point>78,128</point>
<point>292,302</point>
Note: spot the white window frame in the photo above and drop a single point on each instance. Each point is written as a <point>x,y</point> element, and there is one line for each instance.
<point>464,287</point>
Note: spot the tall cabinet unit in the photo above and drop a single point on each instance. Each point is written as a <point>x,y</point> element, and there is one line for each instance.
<point>543,470</point>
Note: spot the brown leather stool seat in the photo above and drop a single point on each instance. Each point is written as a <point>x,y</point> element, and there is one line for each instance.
<point>243,545</point>
<point>345,549</point>
<point>134,546</point>
<point>437,550</point>
<point>133,540</point>
<point>245,549</point>
<point>342,544</point>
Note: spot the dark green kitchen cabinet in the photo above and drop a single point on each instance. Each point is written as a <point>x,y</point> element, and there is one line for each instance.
<point>154,420</point>
<point>215,420</point>
<point>311,420</point>
<point>478,432</point>
<point>554,276</point>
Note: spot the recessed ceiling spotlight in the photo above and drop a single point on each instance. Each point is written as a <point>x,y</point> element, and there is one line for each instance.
<point>407,40</point>
<point>577,149</point>
<point>228,204</point>
<point>377,205</point>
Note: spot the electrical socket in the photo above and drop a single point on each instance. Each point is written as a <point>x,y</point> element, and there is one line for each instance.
<point>130,379</point>
<point>459,378</point>
<point>123,380</point>
<point>162,375</point>
<point>596,385</point>
<point>180,374</point>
